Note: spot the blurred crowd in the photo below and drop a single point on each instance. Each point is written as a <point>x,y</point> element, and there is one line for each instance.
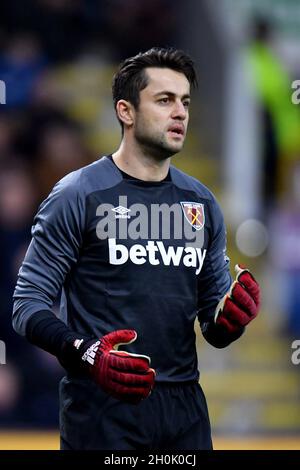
<point>280,163</point>
<point>57,59</point>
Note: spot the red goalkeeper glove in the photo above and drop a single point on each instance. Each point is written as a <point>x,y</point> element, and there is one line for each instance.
<point>241,304</point>
<point>123,375</point>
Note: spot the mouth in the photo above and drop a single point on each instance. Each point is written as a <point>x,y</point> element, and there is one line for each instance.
<point>176,131</point>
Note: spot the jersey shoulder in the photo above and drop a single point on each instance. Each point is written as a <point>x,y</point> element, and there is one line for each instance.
<point>187,182</point>
<point>69,194</point>
<point>99,175</point>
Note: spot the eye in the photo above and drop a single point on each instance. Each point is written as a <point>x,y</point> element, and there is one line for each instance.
<point>186,103</point>
<point>164,100</point>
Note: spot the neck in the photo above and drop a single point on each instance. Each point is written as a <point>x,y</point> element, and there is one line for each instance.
<point>138,163</point>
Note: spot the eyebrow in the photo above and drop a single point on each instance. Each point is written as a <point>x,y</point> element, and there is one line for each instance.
<point>171,94</point>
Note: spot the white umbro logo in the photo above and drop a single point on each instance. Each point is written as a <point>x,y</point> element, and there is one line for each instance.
<point>121,212</point>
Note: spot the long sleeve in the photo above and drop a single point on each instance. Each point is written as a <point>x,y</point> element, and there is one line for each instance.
<point>214,281</point>
<point>54,249</point>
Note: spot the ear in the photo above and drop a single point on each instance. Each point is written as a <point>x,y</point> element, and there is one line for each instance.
<point>125,112</point>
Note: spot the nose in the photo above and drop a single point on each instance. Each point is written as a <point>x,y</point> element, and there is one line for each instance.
<point>179,111</point>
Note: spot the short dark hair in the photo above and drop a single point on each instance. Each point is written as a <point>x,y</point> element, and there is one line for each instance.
<point>130,77</point>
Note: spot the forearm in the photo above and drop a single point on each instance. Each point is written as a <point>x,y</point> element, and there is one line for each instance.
<point>218,336</point>
<point>48,332</point>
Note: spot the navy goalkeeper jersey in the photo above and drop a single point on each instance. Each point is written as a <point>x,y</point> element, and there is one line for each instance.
<point>125,253</point>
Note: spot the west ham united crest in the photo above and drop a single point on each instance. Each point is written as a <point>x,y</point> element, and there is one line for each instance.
<point>194,214</point>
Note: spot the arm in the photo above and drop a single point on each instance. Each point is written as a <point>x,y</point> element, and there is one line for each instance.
<point>53,252</point>
<point>225,308</point>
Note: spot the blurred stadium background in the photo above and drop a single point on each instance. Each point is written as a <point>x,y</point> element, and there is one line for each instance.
<point>57,58</point>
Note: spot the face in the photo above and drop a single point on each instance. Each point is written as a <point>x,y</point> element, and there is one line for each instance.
<point>160,122</point>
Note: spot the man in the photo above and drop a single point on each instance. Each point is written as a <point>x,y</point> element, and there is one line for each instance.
<point>139,250</point>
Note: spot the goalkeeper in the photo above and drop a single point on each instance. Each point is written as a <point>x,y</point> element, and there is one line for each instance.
<point>131,289</point>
